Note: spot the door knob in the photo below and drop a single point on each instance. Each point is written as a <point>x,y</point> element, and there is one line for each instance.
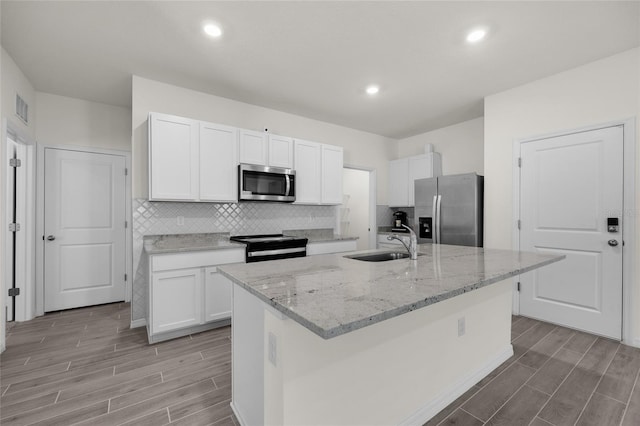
<point>51,238</point>
<point>612,243</point>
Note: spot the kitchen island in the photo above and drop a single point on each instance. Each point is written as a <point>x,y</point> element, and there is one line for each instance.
<point>335,340</point>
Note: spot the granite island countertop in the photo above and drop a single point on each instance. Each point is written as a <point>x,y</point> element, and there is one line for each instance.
<point>332,295</point>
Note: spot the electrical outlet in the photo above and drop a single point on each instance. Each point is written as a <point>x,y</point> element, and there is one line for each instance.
<point>272,348</point>
<point>180,220</point>
<point>461,327</point>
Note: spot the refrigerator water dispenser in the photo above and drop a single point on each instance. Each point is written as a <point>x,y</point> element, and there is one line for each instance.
<point>425,227</point>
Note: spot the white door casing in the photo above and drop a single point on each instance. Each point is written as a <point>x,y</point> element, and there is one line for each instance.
<point>84,262</point>
<point>569,186</point>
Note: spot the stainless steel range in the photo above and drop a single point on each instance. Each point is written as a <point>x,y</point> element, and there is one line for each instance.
<point>272,247</point>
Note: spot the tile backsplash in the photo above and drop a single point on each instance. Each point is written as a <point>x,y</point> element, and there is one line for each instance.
<point>156,218</point>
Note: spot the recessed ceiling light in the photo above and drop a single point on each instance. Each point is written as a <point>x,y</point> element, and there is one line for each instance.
<point>476,35</point>
<point>213,30</point>
<point>372,90</point>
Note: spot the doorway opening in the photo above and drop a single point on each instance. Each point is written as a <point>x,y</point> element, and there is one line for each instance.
<point>357,214</point>
<point>19,224</point>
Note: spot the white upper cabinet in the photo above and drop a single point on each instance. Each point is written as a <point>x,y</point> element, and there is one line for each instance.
<point>280,152</point>
<point>253,147</point>
<point>173,150</point>
<point>308,159</point>
<point>403,173</point>
<point>332,163</point>
<point>191,160</point>
<point>318,173</point>
<point>398,181</point>
<point>264,149</point>
<point>218,163</point>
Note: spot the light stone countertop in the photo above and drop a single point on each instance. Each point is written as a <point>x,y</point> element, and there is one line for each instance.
<point>332,295</point>
<point>178,243</point>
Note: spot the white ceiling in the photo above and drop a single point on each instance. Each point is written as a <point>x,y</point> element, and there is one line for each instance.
<point>314,58</point>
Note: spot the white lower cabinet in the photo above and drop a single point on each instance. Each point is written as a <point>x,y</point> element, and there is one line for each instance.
<point>328,247</point>
<point>217,295</point>
<point>187,293</point>
<point>176,299</point>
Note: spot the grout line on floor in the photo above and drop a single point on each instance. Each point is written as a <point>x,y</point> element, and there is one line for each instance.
<point>161,377</point>
<point>600,380</point>
<point>27,360</point>
<point>114,370</point>
<point>542,420</point>
<point>633,388</point>
<point>68,366</point>
<point>42,340</point>
<point>610,397</point>
<point>168,414</point>
<point>5,391</point>
<point>564,380</point>
<point>462,409</point>
<point>57,397</point>
<point>214,383</point>
<point>109,406</point>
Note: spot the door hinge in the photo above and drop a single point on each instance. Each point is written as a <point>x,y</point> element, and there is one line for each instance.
<point>518,286</point>
<point>125,277</point>
<point>126,171</point>
<point>519,161</point>
<point>14,162</point>
<point>13,292</point>
<point>14,227</point>
<point>126,224</point>
<point>519,224</point>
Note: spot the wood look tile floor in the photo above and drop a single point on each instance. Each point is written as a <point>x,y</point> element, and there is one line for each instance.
<point>86,366</point>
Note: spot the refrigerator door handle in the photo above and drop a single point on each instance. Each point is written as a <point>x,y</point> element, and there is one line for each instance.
<point>438,213</point>
<point>435,219</point>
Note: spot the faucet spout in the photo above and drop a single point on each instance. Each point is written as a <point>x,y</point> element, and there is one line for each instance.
<point>413,244</point>
<point>412,248</point>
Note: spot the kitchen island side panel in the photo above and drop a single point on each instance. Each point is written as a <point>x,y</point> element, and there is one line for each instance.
<point>400,371</point>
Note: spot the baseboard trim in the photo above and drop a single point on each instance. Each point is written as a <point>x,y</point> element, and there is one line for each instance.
<point>138,323</point>
<point>635,343</point>
<point>457,389</point>
<point>237,414</point>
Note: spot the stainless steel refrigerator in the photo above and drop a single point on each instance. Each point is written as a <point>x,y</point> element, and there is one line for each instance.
<point>448,209</point>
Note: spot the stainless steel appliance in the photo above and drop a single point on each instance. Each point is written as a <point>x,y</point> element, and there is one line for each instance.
<point>449,209</point>
<point>262,183</point>
<point>272,247</point>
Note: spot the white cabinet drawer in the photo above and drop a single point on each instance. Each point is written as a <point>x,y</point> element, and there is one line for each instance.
<point>195,259</point>
<point>330,247</point>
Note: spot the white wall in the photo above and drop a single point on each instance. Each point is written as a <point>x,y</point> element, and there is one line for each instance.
<point>596,93</point>
<point>360,148</point>
<point>460,145</point>
<point>70,121</point>
<point>14,81</point>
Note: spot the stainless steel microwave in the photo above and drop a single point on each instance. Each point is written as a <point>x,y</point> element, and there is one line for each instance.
<point>262,183</point>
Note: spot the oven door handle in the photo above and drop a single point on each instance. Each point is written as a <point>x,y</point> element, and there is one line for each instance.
<point>275,252</point>
<point>288,188</point>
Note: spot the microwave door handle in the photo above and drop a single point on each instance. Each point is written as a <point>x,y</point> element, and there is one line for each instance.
<point>288,188</point>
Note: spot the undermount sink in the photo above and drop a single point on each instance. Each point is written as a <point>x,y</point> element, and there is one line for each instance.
<point>379,257</point>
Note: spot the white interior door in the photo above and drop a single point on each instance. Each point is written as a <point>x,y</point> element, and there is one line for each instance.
<point>84,262</point>
<point>570,186</point>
